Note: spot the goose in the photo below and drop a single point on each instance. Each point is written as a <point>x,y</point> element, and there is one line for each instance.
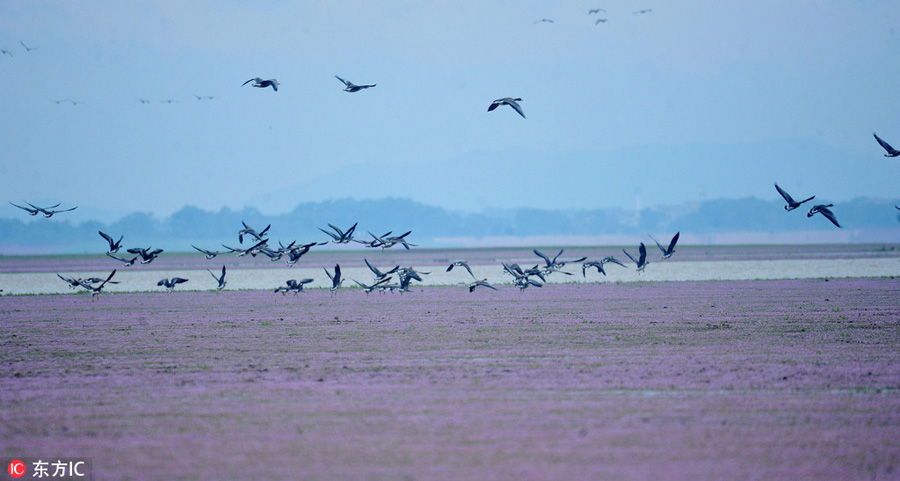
<point>791,203</point>
<point>891,152</point>
<point>339,236</point>
<point>369,288</point>
<point>95,290</point>
<point>253,250</point>
<point>147,256</point>
<point>335,279</point>
<point>209,254</point>
<point>251,231</point>
<point>462,264</point>
<point>125,262</point>
<point>260,83</point>
<point>824,210</point>
<point>29,210</point>
<point>379,275</point>
<point>71,281</point>
<point>114,246</point>
<point>512,102</point>
<point>481,283</point>
<point>641,261</point>
<point>667,251</point>
<point>220,279</point>
<point>352,87</point>
<point>296,253</point>
<point>171,283</point>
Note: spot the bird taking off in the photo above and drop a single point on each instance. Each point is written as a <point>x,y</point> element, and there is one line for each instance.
<point>512,102</point>
<point>667,251</point>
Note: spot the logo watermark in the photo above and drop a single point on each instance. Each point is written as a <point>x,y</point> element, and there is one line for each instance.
<point>56,469</point>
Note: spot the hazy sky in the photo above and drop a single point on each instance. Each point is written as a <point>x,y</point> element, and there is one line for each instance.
<point>632,108</point>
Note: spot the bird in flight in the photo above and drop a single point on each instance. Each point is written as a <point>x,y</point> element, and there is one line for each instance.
<point>335,279</point>
<point>512,102</point>
<point>544,20</point>
<point>260,83</point>
<point>5,52</point>
<point>462,264</point>
<point>641,261</point>
<point>824,210</point>
<point>891,152</point>
<point>481,283</point>
<point>171,283</point>
<point>220,279</point>
<point>668,251</point>
<point>791,203</point>
<point>114,245</point>
<point>596,10</point>
<point>45,211</point>
<point>352,87</point>
<point>27,48</point>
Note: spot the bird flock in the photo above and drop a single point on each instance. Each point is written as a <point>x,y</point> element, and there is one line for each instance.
<point>384,279</point>
<point>522,278</point>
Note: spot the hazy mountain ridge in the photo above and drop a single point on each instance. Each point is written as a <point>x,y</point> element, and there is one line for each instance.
<point>433,226</point>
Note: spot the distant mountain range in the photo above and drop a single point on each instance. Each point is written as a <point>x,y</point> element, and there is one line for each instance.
<point>748,220</point>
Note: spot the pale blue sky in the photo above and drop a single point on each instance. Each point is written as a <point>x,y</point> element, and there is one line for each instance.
<point>642,108</point>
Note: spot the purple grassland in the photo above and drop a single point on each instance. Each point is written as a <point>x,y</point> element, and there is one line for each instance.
<point>789,379</point>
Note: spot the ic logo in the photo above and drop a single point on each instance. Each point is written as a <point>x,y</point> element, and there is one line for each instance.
<point>16,468</point>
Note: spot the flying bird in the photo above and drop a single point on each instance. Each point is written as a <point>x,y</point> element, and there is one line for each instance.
<point>481,283</point>
<point>379,275</point>
<point>147,255</point>
<point>260,83</point>
<point>125,262</point>
<point>891,152</point>
<point>95,290</point>
<point>251,231</point>
<point>791,203</point>
<point>293,285</point>
<point>824,210</point>
<point>512,102</point>
<point>171,283</point>
<point>335,279</point>
<point>462,264</point>
<point>367,288</point>
<point>641,261</point>
<point>6,52</point>
<point>220,279</point>
<point>596,10</point>
<point>339,236</point>
<point>27,48</point>
<point>45,211</point>
<point>544,20</point>
<point>352,87</point>
<point>209,254</point>
<point>667,251</point>
<point>114,245</point>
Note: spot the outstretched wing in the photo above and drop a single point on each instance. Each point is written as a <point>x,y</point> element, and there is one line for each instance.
<point>673,242</point>
<point>829,215</point>
<point>886,146</point>
<point>542,255</point>
<point>787,197</point>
